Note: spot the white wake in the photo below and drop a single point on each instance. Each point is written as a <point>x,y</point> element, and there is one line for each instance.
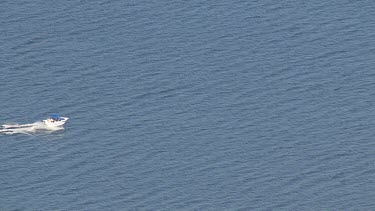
<point>36,127</point>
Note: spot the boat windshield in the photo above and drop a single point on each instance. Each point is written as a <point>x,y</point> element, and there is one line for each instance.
<point>55,117</point>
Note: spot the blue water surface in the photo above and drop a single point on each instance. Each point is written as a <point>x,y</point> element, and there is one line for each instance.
<point>189,105</point>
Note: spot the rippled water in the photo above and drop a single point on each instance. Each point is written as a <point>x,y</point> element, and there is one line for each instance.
<point>214,105</point>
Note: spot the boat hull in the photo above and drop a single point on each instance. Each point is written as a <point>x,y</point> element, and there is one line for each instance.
<point>52,123</point>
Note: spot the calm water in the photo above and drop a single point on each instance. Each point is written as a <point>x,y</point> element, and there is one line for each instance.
<point>189,105</point>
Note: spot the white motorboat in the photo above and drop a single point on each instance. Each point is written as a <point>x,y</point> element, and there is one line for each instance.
<point>55,121</point>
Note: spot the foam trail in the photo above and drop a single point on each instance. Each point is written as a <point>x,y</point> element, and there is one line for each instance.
<point>17,125</point>
<point>36,127</point>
